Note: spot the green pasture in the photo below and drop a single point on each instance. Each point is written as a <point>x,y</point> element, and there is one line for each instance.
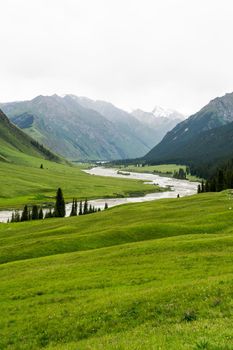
<point>155,275</point>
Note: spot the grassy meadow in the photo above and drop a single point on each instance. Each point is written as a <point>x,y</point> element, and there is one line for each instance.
<point>154,275</point>
<point>26,183</point>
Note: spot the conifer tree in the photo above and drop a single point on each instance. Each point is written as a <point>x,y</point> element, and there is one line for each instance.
<point>17,216</point>
<point>74,209</point>
<point>35,212</point>
<point>41,214</point>
<point>13,217</point>
<point>25,214</point>
<point>60,210</point>
<point>106,206</point>
<point>85,207</point>
<point>81,208</point>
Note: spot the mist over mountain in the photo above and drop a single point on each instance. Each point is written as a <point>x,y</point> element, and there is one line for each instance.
<point>83,129</point>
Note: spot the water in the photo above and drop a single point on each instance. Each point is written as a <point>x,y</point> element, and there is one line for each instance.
<point>181,187</point>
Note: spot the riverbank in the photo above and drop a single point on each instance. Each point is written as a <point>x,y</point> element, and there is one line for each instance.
<point>162,170</point>
<point>158,188</point>
<point>22,185</point>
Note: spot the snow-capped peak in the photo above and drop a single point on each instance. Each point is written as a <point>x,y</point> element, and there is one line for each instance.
<point>166,113</point>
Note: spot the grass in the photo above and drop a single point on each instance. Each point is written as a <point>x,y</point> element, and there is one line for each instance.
<point>162,169</point>
<point>26,183</point>
<point>154,275</point>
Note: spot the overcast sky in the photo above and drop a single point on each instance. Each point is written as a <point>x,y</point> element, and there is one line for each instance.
<point>134,53</point>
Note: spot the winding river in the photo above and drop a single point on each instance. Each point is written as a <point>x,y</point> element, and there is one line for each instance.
<point>181,187</point>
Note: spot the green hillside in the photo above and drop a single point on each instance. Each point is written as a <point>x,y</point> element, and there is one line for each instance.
<point>16,146</point>
<point>155,275</point>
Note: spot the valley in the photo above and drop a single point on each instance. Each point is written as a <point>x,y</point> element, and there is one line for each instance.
<point>116,175</point>
<point>141,275</point>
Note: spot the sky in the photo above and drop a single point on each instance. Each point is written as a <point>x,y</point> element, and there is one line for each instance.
<point>133,53</point>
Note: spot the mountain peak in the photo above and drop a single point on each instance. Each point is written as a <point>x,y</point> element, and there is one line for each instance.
<point>159,112</point>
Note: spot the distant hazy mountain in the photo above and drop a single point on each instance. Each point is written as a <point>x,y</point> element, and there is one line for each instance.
<point>205,136</point>
<point>77,132</point>
<point>160,120</point>
<point>123,121</point>
<point>150,127</point>
<point>15,144</point>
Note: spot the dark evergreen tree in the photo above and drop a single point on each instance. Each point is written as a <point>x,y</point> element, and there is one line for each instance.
<point>106,206</point>
<point>41,214</point>
<point>85,207</point>
<point>13,217</point>
<point>35,212</point>
<point>199,188</point>
<point>202,186</point>
<point>60,209</point>
<point>25,214</point>
<point>17,216</point>
<point>74,209</point>
<point>81,208</point>
<point>220,180</point>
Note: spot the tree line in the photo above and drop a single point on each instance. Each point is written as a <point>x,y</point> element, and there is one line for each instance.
<point>181,173</point>
<point>221,180</point>
<point>59,210</point>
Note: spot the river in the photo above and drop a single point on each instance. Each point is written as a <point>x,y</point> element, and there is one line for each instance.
<point>181,187</point>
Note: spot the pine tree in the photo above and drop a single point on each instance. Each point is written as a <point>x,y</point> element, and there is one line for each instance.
<point>13,217</point>
<point>85,207</point>
<point>74,209</point>
<point>81,208</point>
<point>199,188</point>
<point>25,214</point>
<point>41,214</point>
<point>106,206</point>
<point>17,216</point>
<point>60,209</point>
<point>35,212</point>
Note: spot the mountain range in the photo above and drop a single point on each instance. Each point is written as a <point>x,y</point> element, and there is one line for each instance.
<point>206,136</point>
<point>79,128</point>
